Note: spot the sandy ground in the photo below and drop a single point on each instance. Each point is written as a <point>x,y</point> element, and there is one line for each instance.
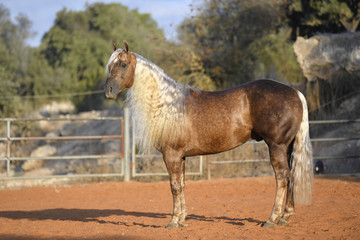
<point>218,209</point>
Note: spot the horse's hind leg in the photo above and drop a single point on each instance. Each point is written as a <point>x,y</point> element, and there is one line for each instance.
<point>282,173</point>
<point>176,169</point>
<point>289,203</point>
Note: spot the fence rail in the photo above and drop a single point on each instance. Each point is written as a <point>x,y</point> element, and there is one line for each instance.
<point>338,139</point>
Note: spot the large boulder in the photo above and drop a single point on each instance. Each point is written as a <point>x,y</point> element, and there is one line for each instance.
<point>43,151</point>
<point>329,56</point>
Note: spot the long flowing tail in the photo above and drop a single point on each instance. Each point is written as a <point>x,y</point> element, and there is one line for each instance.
<point>302,162</point>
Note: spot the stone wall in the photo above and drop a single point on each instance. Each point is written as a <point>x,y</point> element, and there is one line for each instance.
<point>327,56</point>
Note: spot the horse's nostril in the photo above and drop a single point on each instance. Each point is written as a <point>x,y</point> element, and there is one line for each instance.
<point>110,88</point>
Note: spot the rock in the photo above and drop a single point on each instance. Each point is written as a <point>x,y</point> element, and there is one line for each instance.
<point>56,108</point>
<point>43,151</point>
<point>55,133</point>
<point>2,150</point>
<point>2,155</point>
<point>328,56</point>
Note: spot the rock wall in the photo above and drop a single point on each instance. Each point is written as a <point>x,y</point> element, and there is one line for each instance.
<point>330,55</point>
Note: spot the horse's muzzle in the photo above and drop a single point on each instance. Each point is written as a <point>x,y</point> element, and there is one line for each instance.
<point>110,92</point>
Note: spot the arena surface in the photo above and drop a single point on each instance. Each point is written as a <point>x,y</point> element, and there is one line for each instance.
<point>218,209</point>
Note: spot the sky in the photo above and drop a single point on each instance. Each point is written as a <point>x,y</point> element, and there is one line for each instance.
<point>167,13</point>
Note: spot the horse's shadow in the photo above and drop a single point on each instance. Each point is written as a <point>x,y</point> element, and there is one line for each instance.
<point>233,221</point>
<point>80,215</point>
<point>95,215</point>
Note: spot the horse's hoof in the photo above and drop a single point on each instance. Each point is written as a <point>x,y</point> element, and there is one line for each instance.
<point>268,224</point>
<point>283,222</point>
<point>176,225</point>
<point>172,225</point>
<point>183,224</point>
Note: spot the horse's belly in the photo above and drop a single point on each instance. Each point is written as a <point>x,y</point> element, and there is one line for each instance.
<point>216,140</point>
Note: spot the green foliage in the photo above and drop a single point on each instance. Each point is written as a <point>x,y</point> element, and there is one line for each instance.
<point>275,58</point>
<point>239,41</point>
<point>13,61</point>
<point>190,70</point>
<point>306,18</point>
<point>345,12</point>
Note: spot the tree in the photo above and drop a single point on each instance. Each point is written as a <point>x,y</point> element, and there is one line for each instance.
<point>239,41</point>
<point>306,18</point>
<point>13,61</point>
<point>345,12</point>
<point>190,69</point>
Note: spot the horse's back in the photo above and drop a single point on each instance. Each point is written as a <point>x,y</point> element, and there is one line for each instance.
<point>276,110</point>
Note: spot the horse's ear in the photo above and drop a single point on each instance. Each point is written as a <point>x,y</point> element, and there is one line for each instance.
<point>126,46</point>
<point>114,46</point>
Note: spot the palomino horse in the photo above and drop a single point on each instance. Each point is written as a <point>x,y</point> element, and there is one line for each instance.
<point>182,121</point>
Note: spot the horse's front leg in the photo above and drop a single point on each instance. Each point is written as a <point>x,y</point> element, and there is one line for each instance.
<point>176,168</point>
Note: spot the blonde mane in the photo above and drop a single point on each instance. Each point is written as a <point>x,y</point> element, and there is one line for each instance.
<point>157,104</point>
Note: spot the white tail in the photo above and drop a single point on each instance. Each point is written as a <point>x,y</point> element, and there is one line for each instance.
<point>302,163</point>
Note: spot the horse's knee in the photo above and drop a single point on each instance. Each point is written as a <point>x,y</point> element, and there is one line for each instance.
<point>176,186</point>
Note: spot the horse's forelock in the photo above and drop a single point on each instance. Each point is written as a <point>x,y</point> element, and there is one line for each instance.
<point>113,58</point>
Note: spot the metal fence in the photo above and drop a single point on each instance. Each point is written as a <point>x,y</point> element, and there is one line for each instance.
<point>11,139</point>
<point>136,157</point>
<point>210,163</point>
<point>129,157</point>
<point>337,139</point>
<point>355,137</point>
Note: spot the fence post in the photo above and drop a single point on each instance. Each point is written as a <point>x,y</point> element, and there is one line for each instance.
<point>133,149</point>
<point>208,167</point>
<point>127,145</point>
<point>8,149</point>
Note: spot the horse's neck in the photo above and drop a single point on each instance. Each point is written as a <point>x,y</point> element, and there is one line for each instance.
<point>156,89</point>
<point>158,104</point>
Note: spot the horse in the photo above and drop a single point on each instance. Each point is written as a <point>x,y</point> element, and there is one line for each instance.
<point>182,121</point>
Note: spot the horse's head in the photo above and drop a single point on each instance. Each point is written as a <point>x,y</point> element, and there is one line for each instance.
<point>121,68</point>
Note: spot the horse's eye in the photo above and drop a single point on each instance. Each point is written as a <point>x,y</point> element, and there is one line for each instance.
<point>123,65</point>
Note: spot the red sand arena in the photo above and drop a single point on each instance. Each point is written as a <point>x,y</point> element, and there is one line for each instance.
<point>218,209</point>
